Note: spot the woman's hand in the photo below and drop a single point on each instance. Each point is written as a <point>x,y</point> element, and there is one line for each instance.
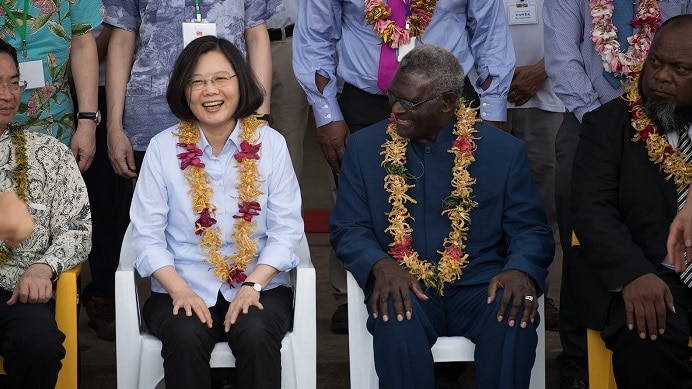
<point>191,302</point>
<point>246,298</point>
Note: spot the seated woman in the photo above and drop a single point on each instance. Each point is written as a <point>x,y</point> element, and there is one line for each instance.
<point>216,217</point>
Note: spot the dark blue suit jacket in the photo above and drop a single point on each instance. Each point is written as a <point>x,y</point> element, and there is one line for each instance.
<point>508,228</point>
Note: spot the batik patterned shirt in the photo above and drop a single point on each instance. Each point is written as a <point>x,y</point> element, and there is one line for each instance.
<point>51,25</point>
<point>58,203</point>
<point>158,26</point>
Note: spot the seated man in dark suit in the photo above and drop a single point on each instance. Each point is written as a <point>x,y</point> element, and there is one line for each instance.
<point>424,197</point>
<point>631,173</point>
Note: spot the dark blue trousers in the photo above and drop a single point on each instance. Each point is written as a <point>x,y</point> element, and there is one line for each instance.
<point>503,358</point>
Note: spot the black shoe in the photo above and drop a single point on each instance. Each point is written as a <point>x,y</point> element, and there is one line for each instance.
<point>340,320</point>
<point>572,383</point>
<point>551,316</point>
<point>102,318</point>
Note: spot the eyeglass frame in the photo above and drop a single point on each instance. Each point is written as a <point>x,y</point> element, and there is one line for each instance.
<point>408,105</point>
<point>20,86</point>
<point>196,87</point>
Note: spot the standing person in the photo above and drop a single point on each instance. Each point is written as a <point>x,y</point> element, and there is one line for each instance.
<point>534,112</point>
<point>368,57</point>
<point>44,175</point>
<point>631,172</point>
<point>59,30</point>
<point>587,71</point>
<point>146,39</point>
<point>218,234</point>
<point>109,197</point>
<point>289,105</point>
<point>441,224</point>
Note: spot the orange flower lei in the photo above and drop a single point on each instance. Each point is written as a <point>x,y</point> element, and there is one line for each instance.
<point>457,206</point>
<point>231,270</point>
<point>377,13</point>
<point>669,159</point>
<point>21,168</point>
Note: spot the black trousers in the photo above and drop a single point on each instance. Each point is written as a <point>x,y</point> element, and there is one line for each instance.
<point>572,333</point>
<point>255,340</point>
<point>30,344</point>
<point>109,196</point>
<point>663,363</point>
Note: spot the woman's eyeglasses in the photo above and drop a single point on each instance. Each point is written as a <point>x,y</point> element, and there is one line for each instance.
<point>219,81</point>
<point>13,86</point>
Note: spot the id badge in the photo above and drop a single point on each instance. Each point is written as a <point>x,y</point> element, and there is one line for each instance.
<point>404,49</point>
<point>522,12</point>
<point>32,73</point>
<point>194,30</point>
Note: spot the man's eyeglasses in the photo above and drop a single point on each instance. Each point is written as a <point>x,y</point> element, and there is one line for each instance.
<point>408,105</point>
<point>13,86</point>
<point>220,81</point>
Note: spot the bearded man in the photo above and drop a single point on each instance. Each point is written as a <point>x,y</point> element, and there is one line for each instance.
<point>438,219</point>
<point>631,174</point>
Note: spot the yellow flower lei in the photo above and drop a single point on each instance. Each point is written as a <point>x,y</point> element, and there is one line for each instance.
<point>21,168</point>
<point>231,270</point>
<point>670,160</point>
<point>377,13</point>
<point>457,206</point>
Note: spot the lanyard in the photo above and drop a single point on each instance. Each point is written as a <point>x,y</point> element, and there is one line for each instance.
<point>22,28</point>
<point>198,12</point>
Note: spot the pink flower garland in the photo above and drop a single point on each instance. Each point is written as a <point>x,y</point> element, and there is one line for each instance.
<point>604,35</point>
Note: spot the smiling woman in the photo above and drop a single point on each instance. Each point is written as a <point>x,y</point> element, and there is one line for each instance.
<point>228,217</point>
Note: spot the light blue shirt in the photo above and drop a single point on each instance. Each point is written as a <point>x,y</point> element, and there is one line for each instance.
<point>571,61</point>
<point>163,220</point>
<point>475,31</point>
<point>158,28</point>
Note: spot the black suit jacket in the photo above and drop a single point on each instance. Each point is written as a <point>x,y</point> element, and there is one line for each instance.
<point>623,207</point>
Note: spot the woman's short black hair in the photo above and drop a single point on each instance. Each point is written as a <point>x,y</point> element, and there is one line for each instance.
<point>11,50</point>
<point>251,92</point>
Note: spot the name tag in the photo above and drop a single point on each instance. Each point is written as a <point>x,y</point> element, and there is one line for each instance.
<point>32,73</point>
<point>522,12</point>
<point>404,49</point>
<point>194,30</point>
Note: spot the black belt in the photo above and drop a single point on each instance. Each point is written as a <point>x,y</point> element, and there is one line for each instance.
<point>278,34</point>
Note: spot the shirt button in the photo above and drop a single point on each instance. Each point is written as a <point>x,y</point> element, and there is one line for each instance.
<point>484,114</point>
<point>325,106</point>
<point>329,116</point>
<point>485,104</point>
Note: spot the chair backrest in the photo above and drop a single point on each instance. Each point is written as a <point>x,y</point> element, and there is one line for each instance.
<point>446,349</point>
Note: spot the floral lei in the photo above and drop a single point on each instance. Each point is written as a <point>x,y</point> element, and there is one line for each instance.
<point>670,159</point>
<point>457,206</point>
<point>604,35</point>
<point>18,139</point>
<point>231,270</point>
<point>377,13</point>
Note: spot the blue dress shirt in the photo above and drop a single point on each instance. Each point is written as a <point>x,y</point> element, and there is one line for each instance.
<point>475,31</point>
<point>163,220</point>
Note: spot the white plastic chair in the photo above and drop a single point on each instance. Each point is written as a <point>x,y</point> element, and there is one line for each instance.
<point>138,354</point>
<point>446,349</point>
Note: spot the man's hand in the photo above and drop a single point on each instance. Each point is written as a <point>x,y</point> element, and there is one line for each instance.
<point>246,298</point>
<point>16,223</point>
<point>34,286</point>
<point>83,144</point>
<point>526,82</point>
<point>516,285</point>
<point>333,137</point>
<point>120,153</point>
<point>188,300</point>
<point>391,280</point>
<point>646,299</point>
<point>679,242</point>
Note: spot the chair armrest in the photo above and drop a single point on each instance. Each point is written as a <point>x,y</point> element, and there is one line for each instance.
<point>305,316</point>
<point>66,306</point>
<point>127,320</point>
